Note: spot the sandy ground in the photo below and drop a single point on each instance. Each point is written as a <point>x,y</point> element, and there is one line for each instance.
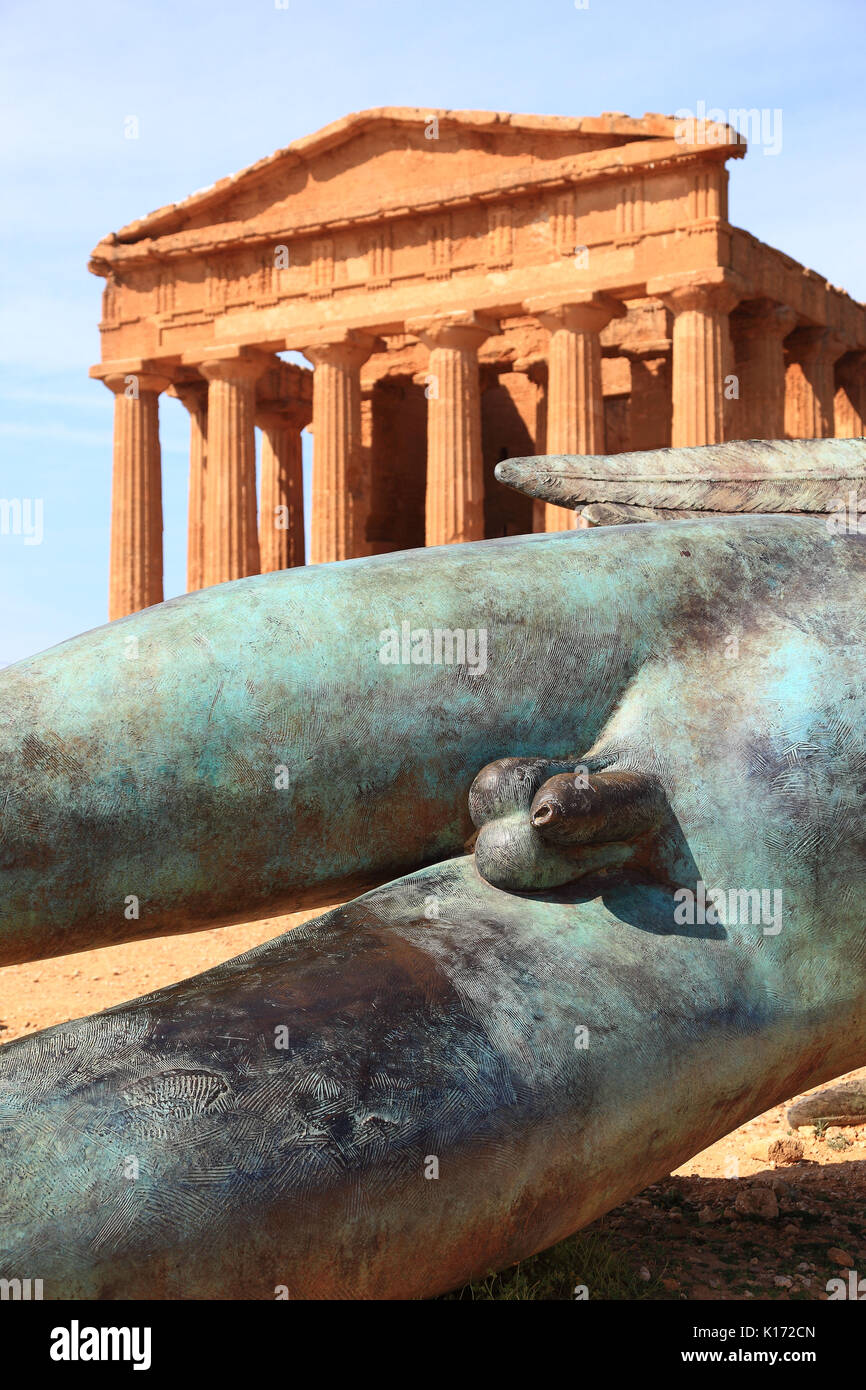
<point>45,992</point>
<point>731,1223</point>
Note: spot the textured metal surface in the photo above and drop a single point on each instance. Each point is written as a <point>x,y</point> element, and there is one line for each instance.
<point>437,1017</point>
<point>741,475</point>
<point>141,759</point>
<point>623,514</point>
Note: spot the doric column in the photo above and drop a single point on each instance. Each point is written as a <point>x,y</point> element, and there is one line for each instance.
<point>135,566</point>
<point>850,403</point>
<point>338,522</point>
<point>193,394</point>
<point>810,382</point>
<point>758,412</point>
<point>281,514</point>
<point>575,404</point>
<point>700,302</point>
<point>534,368</point>
<point>649,405</point>
<point>455,465</point>
<point>231,541</point>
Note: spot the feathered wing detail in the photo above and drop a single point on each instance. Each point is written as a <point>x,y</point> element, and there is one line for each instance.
<point>743,475</point>
<point>624,514</point>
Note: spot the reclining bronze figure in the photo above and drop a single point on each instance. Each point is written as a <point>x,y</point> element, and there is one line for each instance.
<point>632,843</point>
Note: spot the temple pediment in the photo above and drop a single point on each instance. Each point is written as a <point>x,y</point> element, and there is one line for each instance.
<point>389,162</point>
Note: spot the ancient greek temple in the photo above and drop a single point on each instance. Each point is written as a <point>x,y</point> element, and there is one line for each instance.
<point>466,286</point>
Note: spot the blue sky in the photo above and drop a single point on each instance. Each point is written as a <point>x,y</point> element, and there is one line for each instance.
<point>216,84</point>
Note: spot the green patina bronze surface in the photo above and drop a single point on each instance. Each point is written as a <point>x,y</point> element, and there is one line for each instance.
<point>610,997</point>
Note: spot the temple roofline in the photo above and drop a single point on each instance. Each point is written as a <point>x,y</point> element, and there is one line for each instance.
<point>726,143</point>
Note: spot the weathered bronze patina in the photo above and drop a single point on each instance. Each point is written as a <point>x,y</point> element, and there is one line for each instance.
<point>444,1075</point>
<point>742,475</point>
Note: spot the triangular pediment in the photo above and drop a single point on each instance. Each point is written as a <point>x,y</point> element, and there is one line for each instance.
<point>392,158</point>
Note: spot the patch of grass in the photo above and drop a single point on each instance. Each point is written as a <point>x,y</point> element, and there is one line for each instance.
<point>556,1273</point>
<point>838,1141</point>
<point>820,1128</point>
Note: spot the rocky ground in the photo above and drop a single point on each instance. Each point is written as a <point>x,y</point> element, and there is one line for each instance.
<point>747,1218</point>
<point>765,1213</point>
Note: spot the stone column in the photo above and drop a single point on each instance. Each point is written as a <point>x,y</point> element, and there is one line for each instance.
<point>455,464</point>
<point>534,368</point>
<point>649,407</point>
<point>193,395</point>
<point>850,403</point>
<point>810,381</point>
<point>759,410</point>
<point>575,404</point>
<point>338,524</point>
<point>231,540</point>
<point>700,302</point>
<point>281,514</point>
<point>135,566</point>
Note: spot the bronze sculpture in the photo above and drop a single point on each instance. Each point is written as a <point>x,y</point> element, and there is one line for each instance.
<point>657,935</point>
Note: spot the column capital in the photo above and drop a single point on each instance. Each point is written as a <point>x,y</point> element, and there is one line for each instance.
<point>815,343</point>
<point>131,383</point>
<point>240,365</point>
<point>271,419</point>
<point>652,350</point>
<point>533,366</point>
<point>764,318</point>
<point>192,394</point>
<point>461,329</point>
<point>293,415</point>
<point>852,366</point>
<point>714,290</point>
<point>347,349</point>
<point>147,374</point>
<point>581,313</point>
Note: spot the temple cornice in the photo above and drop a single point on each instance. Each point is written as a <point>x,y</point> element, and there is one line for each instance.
<point>613,127</point>
<point>645,159</point>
